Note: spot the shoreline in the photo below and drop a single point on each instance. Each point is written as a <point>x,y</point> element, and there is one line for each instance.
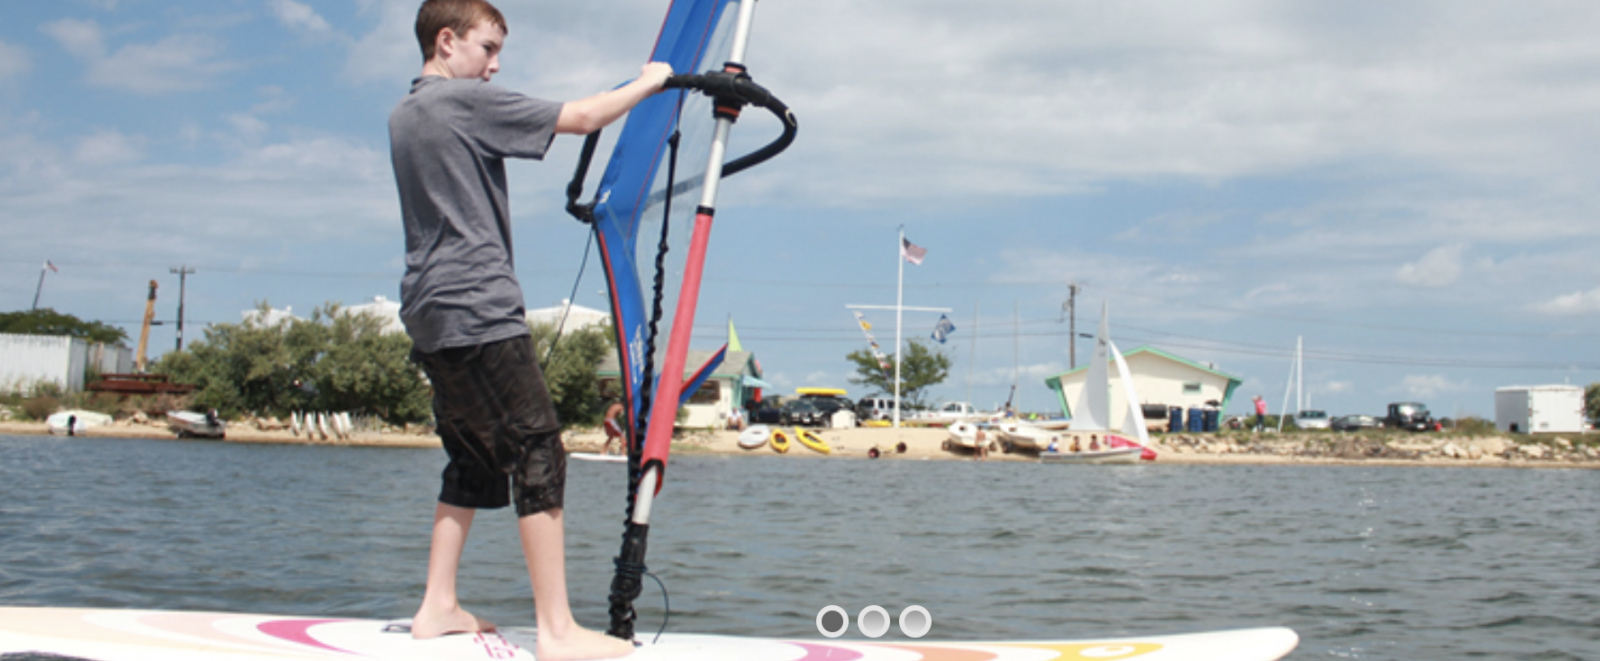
<point>925,444</point>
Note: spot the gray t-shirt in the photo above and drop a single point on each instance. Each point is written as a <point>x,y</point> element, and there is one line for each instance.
<point>448,140</point>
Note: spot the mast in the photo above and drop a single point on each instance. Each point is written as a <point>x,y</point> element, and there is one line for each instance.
<point>899,313</point>
<point>652,457</point>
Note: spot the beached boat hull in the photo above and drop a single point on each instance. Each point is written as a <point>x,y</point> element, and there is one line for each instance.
<point>966,435</point>
<point>1111,456</point>
<point>188,424</point>
<point>779,441</point>
<point>75,422</point>
<point>1026,436</point>
<point>754,437</point>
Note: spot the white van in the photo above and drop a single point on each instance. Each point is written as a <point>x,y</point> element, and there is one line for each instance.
<point>875,408</point>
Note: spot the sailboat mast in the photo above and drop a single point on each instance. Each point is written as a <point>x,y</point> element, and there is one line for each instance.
<point>974,359</point>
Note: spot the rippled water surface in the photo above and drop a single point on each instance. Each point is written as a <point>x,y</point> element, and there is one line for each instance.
<point>1365,563</point>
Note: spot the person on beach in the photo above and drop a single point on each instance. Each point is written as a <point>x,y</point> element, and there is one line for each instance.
<point>613,428</point>
<point>463,308</point>
<point>1261,412</point>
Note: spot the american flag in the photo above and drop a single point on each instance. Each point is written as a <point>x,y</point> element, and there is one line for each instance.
<point>911,252</point>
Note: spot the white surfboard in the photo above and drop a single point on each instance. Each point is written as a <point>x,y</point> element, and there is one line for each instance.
<point>145,635</point>
<point>595,456</point>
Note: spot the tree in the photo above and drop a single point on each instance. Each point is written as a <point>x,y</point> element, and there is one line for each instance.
<point>45,321</point>
<point>571,372</point>
<point>332,362</point>
<point>1591,401</point>
<point>923,367</point>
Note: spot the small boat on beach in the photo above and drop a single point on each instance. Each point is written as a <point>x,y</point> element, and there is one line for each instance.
<point>188,424</point>
<point>74,422</point>
<point>1019,435</point>
<point>966,434</point>
<point>754,437</point>
<point>779,441</point>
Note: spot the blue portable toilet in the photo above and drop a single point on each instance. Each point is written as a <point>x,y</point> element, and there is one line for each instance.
<point>1175,419</point>
<point>1212,416</point>
<point>1196,420</point>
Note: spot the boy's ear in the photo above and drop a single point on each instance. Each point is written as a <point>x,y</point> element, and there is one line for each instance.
<point>444,42</point>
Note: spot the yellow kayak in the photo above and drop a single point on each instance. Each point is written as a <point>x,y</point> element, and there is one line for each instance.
<point>811,440</point>
<point>779,441</point>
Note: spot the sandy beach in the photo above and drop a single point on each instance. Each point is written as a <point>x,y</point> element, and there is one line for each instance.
<point>926,444</point>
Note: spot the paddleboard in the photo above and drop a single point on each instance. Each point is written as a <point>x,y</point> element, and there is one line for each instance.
<point>754,437</point>
<point>64,634</point>
<point>606,458</point>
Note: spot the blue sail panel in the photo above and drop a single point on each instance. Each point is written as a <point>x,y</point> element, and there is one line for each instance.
<point>694,37</point>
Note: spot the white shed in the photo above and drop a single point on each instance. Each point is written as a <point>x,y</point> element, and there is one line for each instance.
<point>1539,409</point>
<point>1159,378</point>
<point>28,361</point>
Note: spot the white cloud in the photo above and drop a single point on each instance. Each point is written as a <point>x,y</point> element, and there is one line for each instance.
<point>1581,302</point>
<point>108,147</point>
<point>1335,387</point>
<point>178,62</point>
<point>1424,386</point>
<point>300,17</point>
<point>14,61</point>
<point>83,39</point>
<point>1441,267</point>
<point>247,127</point>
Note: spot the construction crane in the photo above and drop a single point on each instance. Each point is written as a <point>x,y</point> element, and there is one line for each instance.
<point>144,332</point>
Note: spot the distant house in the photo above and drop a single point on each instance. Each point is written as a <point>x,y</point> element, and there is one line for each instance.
<point>728,388</point>
<point>1159,378</point>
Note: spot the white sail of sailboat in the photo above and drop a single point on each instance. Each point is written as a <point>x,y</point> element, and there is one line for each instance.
<point>1093,412</point>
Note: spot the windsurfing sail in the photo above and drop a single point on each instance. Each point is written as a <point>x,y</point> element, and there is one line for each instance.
<point>665,169</point>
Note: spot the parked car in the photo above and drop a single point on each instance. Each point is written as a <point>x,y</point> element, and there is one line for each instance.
<point>802,412</point>
<point>1355,422</point>
<point>766,413</point>
<point>1411,416</point>
<point>1311,419</point>
<point>954,412</point>
<point>875,408</point>
<point>829,405</point>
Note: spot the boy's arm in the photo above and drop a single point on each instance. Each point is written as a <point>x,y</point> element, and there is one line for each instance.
<point>596,112</point>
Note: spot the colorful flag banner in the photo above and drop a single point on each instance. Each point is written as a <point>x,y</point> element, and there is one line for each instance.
<point>733,337</point>
<point>943,329</point>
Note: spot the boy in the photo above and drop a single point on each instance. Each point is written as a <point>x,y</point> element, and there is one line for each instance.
<point>463,308</point>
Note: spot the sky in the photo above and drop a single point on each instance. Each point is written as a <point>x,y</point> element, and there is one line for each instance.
<point>1410,188</point>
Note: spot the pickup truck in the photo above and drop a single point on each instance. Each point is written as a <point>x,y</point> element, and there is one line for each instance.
<point>1412,416</point>
<point>953,411</point>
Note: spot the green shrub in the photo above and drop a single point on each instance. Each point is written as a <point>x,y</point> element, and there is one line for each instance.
<point>39,408</point>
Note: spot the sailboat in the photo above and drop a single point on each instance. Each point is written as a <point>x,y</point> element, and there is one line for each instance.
<point>1092,415</point>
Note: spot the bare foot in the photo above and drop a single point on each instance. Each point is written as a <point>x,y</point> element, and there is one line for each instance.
<point>429,623</point>
<point>579,644</point>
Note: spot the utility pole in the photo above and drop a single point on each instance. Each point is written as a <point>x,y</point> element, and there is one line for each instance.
<point>1072,323</point>
<point>183,274</point>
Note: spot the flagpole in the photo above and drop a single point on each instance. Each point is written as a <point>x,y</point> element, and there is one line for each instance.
<point>899,311</point>
<point>40,288</point>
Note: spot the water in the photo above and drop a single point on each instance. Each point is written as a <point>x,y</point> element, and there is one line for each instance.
<point>1365,563</point>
